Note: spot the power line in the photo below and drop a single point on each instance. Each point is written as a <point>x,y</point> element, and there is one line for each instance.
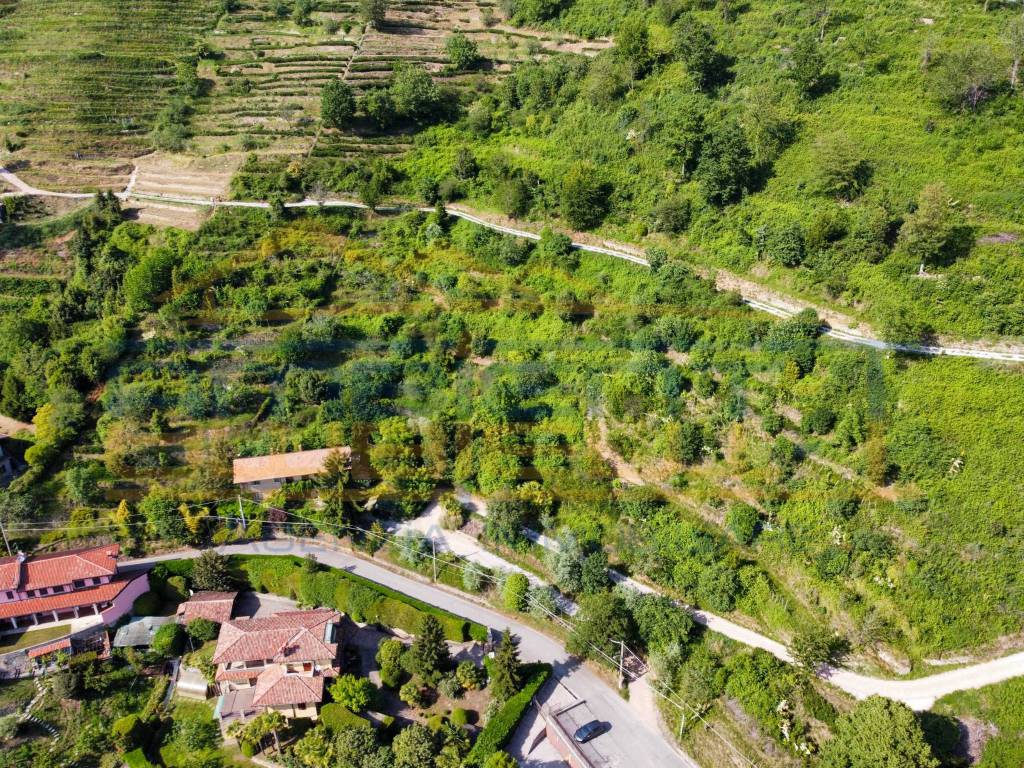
<point>482,571</point>
<point>568,625</point>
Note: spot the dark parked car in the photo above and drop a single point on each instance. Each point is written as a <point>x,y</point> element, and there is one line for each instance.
<point>589,731</point>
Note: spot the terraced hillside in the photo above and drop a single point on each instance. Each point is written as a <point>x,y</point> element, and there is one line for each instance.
<point>267,82</point>
<point>81,82</point>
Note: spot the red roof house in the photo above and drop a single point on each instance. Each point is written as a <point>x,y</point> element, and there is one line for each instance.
<point>275,662</point>
<point>58,586</point>
<point>265,474</point>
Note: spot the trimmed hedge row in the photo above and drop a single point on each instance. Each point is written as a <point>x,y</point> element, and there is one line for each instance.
<point>499,729</point>
<point>360,598</point>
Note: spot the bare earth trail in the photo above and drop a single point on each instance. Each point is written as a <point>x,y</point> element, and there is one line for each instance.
<point>753,294</point>
<point>920,693</point>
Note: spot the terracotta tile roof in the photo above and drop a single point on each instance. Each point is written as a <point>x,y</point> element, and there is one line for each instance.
<point>290,636</point>
<point>44,650</point>
<point>278,465</point>
<point>215,606</point>
<point>79,598</point>
<point>236,674</point>
<point>274,688</point>
<point>55,568</point>
<point>10,573</point>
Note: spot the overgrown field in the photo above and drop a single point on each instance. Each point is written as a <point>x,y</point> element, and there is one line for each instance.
<point>866,155</point>
<point>792,481</point>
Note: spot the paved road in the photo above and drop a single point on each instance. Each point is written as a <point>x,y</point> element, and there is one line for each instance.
<point>779,308</point>
<point>635,742</point>
<point>919,694</point>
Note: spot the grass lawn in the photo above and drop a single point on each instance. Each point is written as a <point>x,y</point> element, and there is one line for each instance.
<point>16,693</point>
<point>15,642</point>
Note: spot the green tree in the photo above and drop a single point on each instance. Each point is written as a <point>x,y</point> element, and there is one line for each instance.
<point>878,733</point>
<point>505,519</point>
<point>513,593</point>
<point>742,520</point>
<point>379,106</point>
<point>506,673</point>
<point>470,676</point>
<point>201,630</point>
<point>501,759</point>
<point>302,12</point>
<point>698,51</point>
<point>840,169</point>
<point>256,731</point>
<point>660,623</point>
<point>373,11</point>
<point>815,647</point>
<point>414,93</point>
<point>211,571</point>
<point>412,693</point>
<point>808,66</point>
<point>414,747</point>
<point>594,573</point>
<point>353,693</point>
<point>167,640</point>
<point>66,683</point>
<point>964,79</point>
<point>337,104</point>
<point>316,749</point>
<point>359,748</point>
<point>462,52</point>
<point>163,521</point>
<point>82,482</point>
<point>583,199</point>
<point>724,169</point>
<point>633,45</point>
<point>429,652</point>
<point>602,621</point>
<point>927,233</point>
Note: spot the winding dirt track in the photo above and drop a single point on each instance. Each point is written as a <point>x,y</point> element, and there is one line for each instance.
<point>754,295</point>
<point>920,693</point>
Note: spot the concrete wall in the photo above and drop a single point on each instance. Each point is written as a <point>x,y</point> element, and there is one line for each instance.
<point>122,604</point>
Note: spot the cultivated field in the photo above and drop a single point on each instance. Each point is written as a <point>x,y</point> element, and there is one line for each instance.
<point>82,80</point>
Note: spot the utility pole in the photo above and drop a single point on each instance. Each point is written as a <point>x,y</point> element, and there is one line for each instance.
<point>622,669</point>
<point>433,556</point>
<point>7,544</point>
<point>682,723</point>
<point>241,512</point>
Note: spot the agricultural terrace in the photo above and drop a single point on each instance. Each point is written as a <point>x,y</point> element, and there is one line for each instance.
<point>82,83</point>
<point>213,81</point>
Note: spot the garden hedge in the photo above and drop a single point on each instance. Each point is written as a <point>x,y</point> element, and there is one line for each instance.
<point>361,598</point>
<point>499,729</point>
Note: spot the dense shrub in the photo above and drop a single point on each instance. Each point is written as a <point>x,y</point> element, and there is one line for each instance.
<point>499,729</point>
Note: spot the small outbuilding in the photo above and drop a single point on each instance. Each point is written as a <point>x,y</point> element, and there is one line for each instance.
<point>139,632</point>
<point>264,474</point>
<point>192,684</point>
<point>217,607</point>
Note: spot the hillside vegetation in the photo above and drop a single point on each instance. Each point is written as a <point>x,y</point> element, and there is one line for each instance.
<point>832,149</point>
